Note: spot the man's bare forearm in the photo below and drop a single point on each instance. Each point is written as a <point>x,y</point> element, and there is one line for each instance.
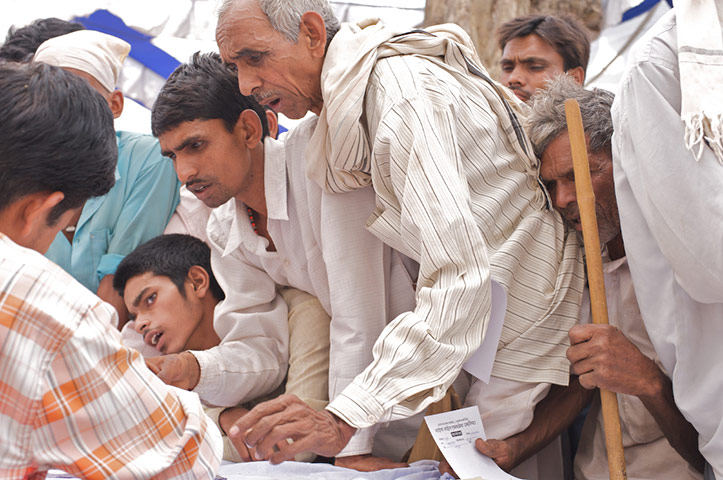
<point>677,430</point>
<point>552,415</point>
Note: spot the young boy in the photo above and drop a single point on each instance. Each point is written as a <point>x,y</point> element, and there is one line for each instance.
<point>171,293</point>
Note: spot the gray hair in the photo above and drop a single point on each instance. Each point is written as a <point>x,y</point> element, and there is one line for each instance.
<point>285,15</point>
<point>547,118</point>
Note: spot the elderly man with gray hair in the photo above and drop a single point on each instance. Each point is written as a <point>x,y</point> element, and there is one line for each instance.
<point>659,443</point>
<point>417,117</point>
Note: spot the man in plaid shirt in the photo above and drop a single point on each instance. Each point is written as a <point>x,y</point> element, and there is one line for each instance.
<point>71,397</point>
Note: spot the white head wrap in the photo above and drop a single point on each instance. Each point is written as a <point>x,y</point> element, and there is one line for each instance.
<point>95,53</point>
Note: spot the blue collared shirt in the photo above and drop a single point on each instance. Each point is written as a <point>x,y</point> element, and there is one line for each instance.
<point>136,209</point>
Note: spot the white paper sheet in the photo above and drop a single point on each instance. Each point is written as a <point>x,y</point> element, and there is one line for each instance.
<point>480,363</point>
<point>455,433</point>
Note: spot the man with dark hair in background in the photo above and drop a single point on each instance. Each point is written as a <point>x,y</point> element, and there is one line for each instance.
<point>80,401</point>
<point>538,47</point>
<point>21,43</point>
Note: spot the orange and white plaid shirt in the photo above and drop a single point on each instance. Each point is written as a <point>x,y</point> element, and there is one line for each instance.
<point>73,398</point>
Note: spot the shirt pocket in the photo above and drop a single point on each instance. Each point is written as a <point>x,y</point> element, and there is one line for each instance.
<point>639,423</point>
<point>99,241</point>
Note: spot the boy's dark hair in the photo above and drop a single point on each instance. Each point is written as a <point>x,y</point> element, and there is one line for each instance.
<point>21,43</point>
<point>563,32</point>
<point>169,256</point>
<point>56,135</point>
<point>203,89</point>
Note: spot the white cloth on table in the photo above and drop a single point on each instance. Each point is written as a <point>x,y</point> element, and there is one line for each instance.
<point>671,214</point>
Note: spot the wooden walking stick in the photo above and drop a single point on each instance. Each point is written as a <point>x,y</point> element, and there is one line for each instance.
<point>598,304</point>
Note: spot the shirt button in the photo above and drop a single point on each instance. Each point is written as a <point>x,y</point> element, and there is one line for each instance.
<point>286,262</point>
<point>371,418</point>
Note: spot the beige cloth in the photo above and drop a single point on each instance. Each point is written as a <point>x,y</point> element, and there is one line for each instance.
<point>308,361</point>
<point>99,55</point>
<point>338,154</point>
<point>700,59</point>
<point>648,455</point>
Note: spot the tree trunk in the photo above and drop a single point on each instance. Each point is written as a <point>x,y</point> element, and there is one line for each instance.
<point>481,18</point>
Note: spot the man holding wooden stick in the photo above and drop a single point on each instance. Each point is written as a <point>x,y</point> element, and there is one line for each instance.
<point>618,357</point>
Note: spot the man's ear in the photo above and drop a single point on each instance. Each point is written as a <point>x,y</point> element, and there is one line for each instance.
<point>35,211</point>
<point>577,74</point>
<point>198,276</point>
<point>250,123</point>
<point>116,102</point>
<point>273,122</point>
<point>313,30</point>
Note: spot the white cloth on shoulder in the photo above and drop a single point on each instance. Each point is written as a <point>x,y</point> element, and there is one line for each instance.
<point>338,154</point>
<point>700,59</point>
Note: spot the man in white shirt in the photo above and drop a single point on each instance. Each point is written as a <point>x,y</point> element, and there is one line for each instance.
<point>271,225</point>
<point>671,204</point>
<point>456,190</point>
<point>619,357</point>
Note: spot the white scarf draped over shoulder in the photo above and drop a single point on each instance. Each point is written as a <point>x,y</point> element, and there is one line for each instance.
<point>338,153</point>
<point>700,60</point>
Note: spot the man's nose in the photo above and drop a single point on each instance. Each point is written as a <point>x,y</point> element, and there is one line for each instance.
<point>140,324</point>
<point>564,194</point>
<point>185,170</point>
<point>248,81</point>
<point>517,77</point>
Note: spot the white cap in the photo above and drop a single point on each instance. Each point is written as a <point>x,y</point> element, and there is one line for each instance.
<point>95,53</point>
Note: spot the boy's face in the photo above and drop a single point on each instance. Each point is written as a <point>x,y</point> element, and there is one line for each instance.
<point>168,321</point>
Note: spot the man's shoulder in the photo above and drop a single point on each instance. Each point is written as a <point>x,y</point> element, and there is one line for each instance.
<point>138,151</point>
<point>42,293</point>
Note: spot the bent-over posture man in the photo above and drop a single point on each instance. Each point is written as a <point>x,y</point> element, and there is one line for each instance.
<point>72,397</point>
<point>659,443</point>
<point>456,190</point>
<point>272,226</point>
<point>536,48</point>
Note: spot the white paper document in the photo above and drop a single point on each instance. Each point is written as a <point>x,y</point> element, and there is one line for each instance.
<point>455,433</point>
<point>480,363</point>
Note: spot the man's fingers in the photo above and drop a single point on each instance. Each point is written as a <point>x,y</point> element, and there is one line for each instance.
<point>241,449</point>
<point>582,333</point>
<point>278,437</point>
<point>588,380</point>
<point>485,448</point>
<point>292,449</point>
<point>258,422</point>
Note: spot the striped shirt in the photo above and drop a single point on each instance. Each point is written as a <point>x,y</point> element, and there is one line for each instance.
<point>454,193</point>
<point>72,398</point>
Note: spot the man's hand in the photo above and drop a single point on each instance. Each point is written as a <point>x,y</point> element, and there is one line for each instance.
<point>505,453</point>
<point>367,463</point>
<point>178,369</point>
<point>286,417</point>
<point>603,357</point>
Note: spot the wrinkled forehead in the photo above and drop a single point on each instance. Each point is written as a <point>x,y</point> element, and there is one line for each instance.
<point>244,26</point>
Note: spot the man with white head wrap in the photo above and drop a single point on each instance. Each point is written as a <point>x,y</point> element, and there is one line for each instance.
<point>146,192</point>
<point>668,176</point>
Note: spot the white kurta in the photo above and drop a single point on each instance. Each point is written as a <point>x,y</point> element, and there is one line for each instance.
<point>648,453</point>
<point>671,213</point>
<point>322,248</point>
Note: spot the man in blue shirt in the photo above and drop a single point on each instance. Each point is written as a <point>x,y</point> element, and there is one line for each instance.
<point>146,191</point>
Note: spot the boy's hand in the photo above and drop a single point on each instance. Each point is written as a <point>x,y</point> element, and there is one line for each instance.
<point>178,369</point>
